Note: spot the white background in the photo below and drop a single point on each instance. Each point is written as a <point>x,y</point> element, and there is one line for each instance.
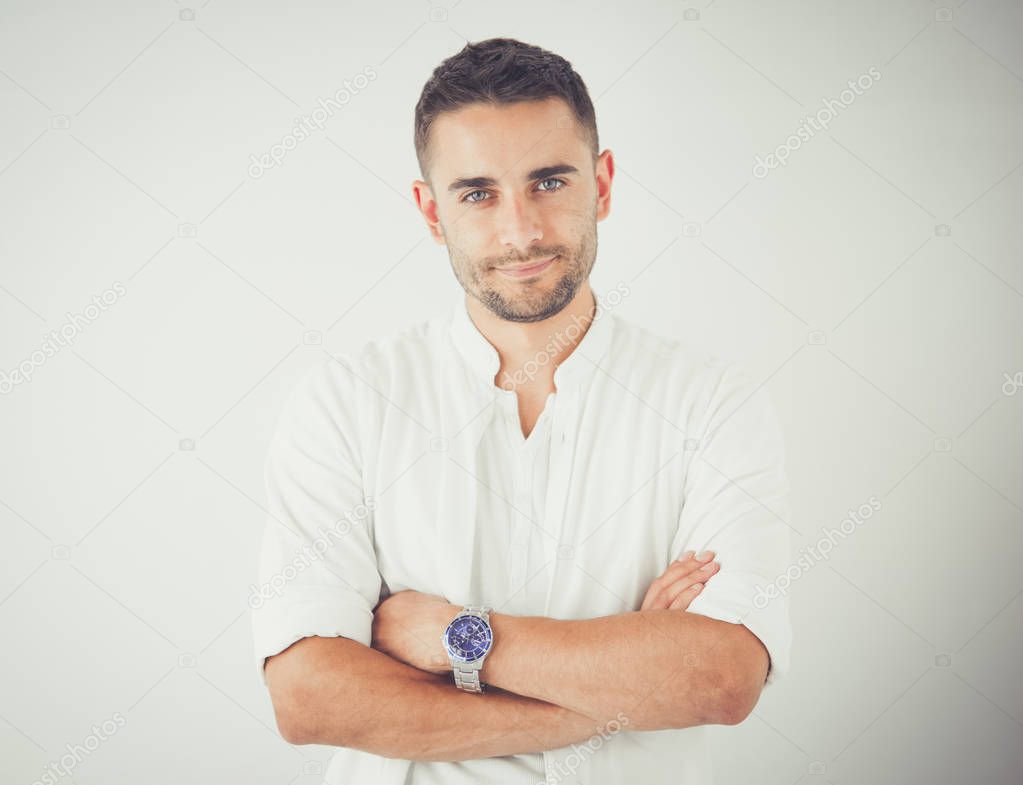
<point>886,342</point>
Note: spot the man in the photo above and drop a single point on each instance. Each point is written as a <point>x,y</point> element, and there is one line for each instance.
<point>491,550</point>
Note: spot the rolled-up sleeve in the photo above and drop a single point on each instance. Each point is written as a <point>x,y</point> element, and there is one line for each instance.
<point>736,504</point>
<point>317,571</point>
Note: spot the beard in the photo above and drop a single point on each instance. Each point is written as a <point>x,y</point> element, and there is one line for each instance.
<point>518,301</point>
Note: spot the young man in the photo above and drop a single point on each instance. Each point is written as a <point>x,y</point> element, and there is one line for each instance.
<point>480,563</point>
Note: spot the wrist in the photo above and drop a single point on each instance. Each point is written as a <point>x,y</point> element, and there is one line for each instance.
<point>441,662</point>
<point>499,623</point>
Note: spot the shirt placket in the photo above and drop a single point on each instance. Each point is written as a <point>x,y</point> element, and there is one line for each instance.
<point>563,443</point>
<point>522,503</point>
<point>520,531</point>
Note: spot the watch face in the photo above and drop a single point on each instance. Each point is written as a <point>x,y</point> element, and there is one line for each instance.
<point>468,638</point>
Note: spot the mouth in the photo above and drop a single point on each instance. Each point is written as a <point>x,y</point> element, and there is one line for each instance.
<point>527,270</point>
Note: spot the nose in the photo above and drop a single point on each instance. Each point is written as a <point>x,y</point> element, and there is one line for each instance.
<point>519,224</point>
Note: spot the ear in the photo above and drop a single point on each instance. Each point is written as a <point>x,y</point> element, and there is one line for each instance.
<point>423,195</point>
<point>605,173</point>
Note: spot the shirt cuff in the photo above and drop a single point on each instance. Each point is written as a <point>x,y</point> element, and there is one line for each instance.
<point>303,613</point>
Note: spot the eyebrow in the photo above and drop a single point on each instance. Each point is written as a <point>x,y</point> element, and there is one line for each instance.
<point>537,174</point>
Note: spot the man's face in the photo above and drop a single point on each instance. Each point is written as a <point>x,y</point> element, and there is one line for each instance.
<point>512,186</point>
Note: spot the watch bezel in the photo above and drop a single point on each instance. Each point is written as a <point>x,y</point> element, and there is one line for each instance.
<point>454,655</point>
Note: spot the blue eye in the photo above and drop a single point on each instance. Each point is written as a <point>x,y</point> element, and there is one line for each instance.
<point>553,180</point>
<point>561,184</point>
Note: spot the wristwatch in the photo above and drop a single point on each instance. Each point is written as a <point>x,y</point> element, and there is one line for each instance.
<point>468,639</point>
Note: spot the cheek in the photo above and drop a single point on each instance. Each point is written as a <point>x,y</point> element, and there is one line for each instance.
<point>577,218</point>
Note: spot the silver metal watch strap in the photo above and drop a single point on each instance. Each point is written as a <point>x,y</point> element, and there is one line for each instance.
<point>467,678</point>
<point>467,674</point>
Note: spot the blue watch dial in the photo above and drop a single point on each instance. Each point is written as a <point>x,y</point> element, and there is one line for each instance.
<point>468,638</point>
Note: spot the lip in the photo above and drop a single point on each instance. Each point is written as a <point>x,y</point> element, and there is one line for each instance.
<point>526,271</point>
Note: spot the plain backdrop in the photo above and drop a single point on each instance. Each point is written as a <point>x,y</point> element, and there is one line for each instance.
<point>873,282</point>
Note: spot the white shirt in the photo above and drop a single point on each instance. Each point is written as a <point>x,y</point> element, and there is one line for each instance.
<point>390,463</point>
<point>513,553</point>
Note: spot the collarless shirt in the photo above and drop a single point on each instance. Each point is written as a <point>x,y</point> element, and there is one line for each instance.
<point>402,466</point>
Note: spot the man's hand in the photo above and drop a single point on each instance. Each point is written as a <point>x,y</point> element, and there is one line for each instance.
<point>408,626</point>
<point>679,584</point>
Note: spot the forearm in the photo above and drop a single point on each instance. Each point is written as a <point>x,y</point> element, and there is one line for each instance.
<point>354,696</point>
<point>660,668</point>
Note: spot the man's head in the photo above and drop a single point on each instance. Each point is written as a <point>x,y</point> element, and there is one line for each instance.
<point>506,139</point>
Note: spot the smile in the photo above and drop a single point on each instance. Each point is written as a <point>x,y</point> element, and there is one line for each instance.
<point>528,270</point>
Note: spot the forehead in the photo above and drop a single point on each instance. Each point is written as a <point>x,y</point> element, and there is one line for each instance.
<point>504,141</point>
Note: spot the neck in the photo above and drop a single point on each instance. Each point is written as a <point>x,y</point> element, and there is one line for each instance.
<point>530,352</point>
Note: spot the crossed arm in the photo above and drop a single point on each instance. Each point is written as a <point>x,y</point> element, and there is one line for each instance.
<point>336,691</point>
<point>551,683</point>
<point>661,668</point>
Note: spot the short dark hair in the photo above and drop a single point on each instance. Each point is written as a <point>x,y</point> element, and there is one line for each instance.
<point>501,71</point>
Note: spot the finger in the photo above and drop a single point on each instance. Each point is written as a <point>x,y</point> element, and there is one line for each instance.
<point>657,584</point>
<point>664,598</point>
<point>700,576</point>
<point>685,566</point>
<point>688,563</point>
<point>681,602</point>
<point>663,579</point>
